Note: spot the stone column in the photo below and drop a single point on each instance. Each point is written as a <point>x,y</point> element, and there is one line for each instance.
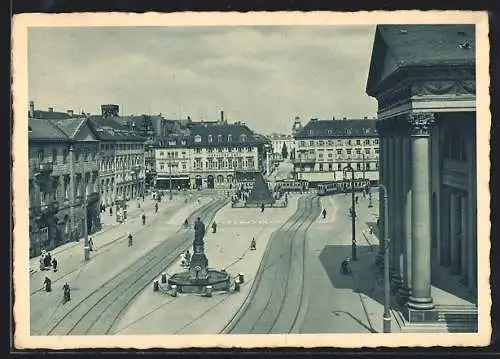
<point>381,180</point>
<point>464,239</point>
<point>455,233</point>
<point>391,169</point>
<point>404,290</point>
<point>398,208</point>
<point>420,305</point>
<point>444,242</point>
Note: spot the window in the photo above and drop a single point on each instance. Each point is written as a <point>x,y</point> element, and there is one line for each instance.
<point>321,143</point>
<point>321,167</point>
<point>367,166</point>
<point>375,141</point>
<point>219,138</point>
<point>302,143</point>
<point>339,167</point>
<point>358,142</point>
<point>358,166</point>
<point>311,143</point>
<point>358,151</point>
<point>311,132</point>
<point>198,150</point>
<point>183,142</point>
<point>54,156</point>
<point>77,155</point>
<point>40,154</point>
<point>376,151</point>
<point>229,138</point>
<point>339,151</point>
<point>367,151</point>
<point>349,151</point>
<point>330,167</point>
<point>349,142</point>
<point>330,155</point>
<point>210,138</point>
<point>197,138</point>
<point>243,138</point>
<point>65,155</point>
<point>367,142</point>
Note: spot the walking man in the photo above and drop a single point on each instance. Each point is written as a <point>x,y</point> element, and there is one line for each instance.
<point>143,219</point>
<point>156,207</point>
<point>324,213</point>
<point>214,227</point>
<point>130,239</point>
<point>48,284</point>
<point>67,292</point>
<point>54,264</point>
<point>262,207</point>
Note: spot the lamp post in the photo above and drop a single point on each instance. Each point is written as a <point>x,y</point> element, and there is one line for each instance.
<point>353,212</point>
<point>86,247</point>
<point>387,287</point>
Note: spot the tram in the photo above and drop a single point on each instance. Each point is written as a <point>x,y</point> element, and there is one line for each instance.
<point>291,185</point>
<point>342,186</point>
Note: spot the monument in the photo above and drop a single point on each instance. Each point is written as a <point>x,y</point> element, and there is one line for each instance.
<point>199,278</point>
<point>260,193</point>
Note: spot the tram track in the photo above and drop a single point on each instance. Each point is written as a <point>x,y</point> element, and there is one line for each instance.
<point>98,312</point>
<point>279,309</point>
<point>109,245</point>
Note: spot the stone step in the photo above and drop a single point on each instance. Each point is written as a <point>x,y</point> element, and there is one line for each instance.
<point>425,328</point>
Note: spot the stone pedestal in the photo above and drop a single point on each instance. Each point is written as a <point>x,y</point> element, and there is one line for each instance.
<point>198,267</point>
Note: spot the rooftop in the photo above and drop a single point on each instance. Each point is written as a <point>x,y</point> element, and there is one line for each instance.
<point>338,128</point>
<point>113,129</point>
<point>45,130</point>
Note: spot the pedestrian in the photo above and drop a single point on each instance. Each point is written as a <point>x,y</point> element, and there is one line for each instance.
<point>356,199</point>
<point>262,207</point>
<point>156,207</point>
<point>67,292</point>
<point>324,213</point>
<point>110,211</point>
<point>48,284</point>
<point>54,264</point>
<point>91,244</point>
<point>143,219</point>
<point>188,257</point>
<point>214,227</point>
<point>378,223</point>
<point>130,239</point>
<point>47,260</point>
<point>253,245</point>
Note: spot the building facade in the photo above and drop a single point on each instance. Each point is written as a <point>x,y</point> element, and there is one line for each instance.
<point>63,181</point>
<point>208,156</point>
<point>427,123</point>
<point>122,169</point>
<point>277,143</point>
<point>324,148</point>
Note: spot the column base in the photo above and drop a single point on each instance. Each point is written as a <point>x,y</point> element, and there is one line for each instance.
<point>420,310</point>
<point>403,295</point>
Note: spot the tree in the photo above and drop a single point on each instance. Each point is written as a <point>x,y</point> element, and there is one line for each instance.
<point>284,151</point>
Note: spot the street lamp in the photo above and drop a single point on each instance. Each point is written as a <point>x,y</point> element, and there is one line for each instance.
<point>387,288</point>
<point>353,212</point>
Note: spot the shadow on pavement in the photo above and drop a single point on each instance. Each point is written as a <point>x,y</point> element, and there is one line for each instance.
<point>362,279</point>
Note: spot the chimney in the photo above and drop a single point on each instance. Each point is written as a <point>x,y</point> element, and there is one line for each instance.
<point>32,109</point>
<point>365,118</point>
<point>222,116</point>
<point>333,117</point>
<point>344,118</point>
<point>70,112</point>
<point>51,109</point>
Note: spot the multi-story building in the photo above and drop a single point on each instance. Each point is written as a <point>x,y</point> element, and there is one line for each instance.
<point>278,141</point>
<point>325,147</point>
<point>122,157</point>
<point>209,155</point>
<point>63,181</point>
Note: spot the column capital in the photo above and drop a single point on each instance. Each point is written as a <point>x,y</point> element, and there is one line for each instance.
<point>420,123</point>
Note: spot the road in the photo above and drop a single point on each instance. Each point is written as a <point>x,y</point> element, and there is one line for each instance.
<point>277,299</point>
<point>95,309</point>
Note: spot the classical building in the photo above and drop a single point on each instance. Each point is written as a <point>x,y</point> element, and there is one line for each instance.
<point>423,77</point>
<point>122,156</point>
<point>63,181</point>
<point>277,142</point>
<point>207,155</point>
<point>325,147</point>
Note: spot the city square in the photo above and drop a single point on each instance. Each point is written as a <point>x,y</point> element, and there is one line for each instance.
<point>145,221</point>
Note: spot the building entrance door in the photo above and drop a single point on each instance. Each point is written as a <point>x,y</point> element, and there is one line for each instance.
<point>210,181</point>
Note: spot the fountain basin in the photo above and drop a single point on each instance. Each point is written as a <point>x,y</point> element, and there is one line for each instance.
<point>219,281</point>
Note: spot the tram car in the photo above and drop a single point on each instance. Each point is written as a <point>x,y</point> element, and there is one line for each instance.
<point>291,185</point>
<point>342,186</point>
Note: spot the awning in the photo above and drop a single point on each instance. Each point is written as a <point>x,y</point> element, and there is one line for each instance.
<point>173,177</point>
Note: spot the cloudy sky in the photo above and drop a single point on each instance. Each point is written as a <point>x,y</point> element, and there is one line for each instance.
<point>263,76</point>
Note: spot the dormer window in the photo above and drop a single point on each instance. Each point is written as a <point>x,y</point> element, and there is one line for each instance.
<point>183,142</point>
<point>210,138</point>
<point>197,138</point>
<point>171,143</point>
<point>243,138</point>
<point>311,132</point>
<point>229,138</point>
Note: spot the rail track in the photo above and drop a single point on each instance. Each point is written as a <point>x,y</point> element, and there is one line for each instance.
<point>275,300</point>
<point>97,312</point>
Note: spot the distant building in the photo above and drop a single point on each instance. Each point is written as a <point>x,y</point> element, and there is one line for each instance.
<point>208,154</point>
<point>277,142</point>
<point>324,148</point>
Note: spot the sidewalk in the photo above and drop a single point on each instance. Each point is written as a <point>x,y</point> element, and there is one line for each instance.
<point>70,255</point>
<point>159,313</point>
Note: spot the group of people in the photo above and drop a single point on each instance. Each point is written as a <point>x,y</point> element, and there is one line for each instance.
<point>46,261</point>
<point>185,259</point>
<point>66,289</point>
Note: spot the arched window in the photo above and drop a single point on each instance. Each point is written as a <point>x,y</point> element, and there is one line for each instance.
<point>229,138</point>
<point>219,138</point>
<point>454,146</point>
<point>210,138</point>
<point>243,138</point>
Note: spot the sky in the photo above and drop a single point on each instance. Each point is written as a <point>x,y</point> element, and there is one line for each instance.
<point>263,76</point>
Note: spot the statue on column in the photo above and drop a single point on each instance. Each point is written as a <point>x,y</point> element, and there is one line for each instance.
<point>198,267</point>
